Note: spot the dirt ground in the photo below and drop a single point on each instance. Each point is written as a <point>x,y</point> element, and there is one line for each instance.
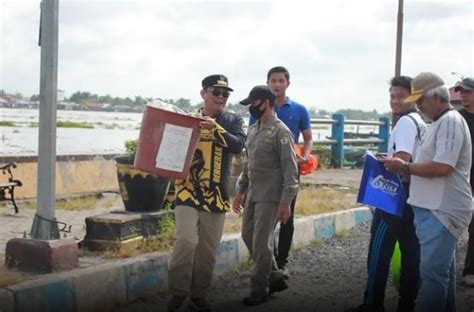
<point>326,276</point>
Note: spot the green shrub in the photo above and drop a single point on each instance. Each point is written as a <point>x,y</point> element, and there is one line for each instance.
<point>324,153</point>
<point>131,147</point>
<point>73,124</point>
<point>7,124</point>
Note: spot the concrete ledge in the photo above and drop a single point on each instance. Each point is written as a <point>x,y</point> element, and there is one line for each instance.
<point>228,255</point>
<point>145,276</point>
<point>7,301</point>
<point>93,284</point>
<point>304,232</point>
<point>53,293</point>
<point>105,286</point>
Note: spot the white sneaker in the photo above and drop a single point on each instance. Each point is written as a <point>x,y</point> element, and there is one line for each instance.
<point>469,280</point>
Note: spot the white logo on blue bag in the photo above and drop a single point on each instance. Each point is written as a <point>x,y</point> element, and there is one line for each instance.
<point>387,186</point>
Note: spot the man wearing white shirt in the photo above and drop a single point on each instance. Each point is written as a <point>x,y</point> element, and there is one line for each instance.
<point>440,192</point>
<point>386,228</point>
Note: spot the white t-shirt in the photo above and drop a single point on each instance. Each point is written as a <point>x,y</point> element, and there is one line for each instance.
<point>405,134</point>
<point>446,141</point>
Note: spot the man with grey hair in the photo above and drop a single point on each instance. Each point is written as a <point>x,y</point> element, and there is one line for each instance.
<point>439,191</point>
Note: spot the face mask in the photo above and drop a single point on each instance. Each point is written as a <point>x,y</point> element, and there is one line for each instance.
<point>256,112</point>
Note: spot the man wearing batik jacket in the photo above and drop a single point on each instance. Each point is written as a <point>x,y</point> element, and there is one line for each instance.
<point>202,199</point>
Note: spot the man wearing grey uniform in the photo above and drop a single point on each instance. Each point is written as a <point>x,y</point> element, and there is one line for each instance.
<point>269,182</point>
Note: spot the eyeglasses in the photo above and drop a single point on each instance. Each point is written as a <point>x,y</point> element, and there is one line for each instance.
<point>216,92</point>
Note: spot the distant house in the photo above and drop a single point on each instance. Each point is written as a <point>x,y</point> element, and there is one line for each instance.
<point>23,104</point>
<point>3,103</point>
<point>60,95</point>
<point>94,106</point>
<point>68,105</point>
<point>10,100</point>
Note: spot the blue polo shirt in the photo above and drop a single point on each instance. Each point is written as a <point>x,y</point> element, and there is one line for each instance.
<point>294,115</point>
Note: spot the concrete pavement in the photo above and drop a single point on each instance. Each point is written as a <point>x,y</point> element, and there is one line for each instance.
<point>103,284</point>
<point>15,225</point>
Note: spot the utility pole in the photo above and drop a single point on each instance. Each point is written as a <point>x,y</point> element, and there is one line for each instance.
<point>398,49</point>
<point>398,53</point>
<point>45,251</point>
<point>44,226</point>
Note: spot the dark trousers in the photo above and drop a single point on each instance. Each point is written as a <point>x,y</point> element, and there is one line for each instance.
<point>469,262</point>
<point>385,231</point>
<point>285,238</point>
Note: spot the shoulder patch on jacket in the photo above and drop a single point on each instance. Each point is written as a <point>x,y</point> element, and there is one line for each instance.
<point>285,139</point>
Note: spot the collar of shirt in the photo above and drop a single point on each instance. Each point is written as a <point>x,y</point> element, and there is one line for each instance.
<point>288,102</point>
<point>269,122</point>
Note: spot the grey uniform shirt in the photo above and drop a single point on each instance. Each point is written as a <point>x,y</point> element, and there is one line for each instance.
<point>271,172</point>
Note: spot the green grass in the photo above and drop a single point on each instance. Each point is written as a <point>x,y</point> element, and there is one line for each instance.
<point>66,124</point>
<point>344,234</point>
<point>72,204</point>
<point>108,126</point>
<point>10,277</point>
<point>7,124</point>
<point>311,200</point>
<point>161,242</point>
<point>73,124</point>
<point>247,265</point>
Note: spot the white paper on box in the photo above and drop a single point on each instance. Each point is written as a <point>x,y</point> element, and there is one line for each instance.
<point>173,148</point>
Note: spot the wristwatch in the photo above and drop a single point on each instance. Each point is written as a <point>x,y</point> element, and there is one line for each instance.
<point>406,168</point>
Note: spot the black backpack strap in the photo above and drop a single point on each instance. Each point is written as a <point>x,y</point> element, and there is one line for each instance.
<point>418,130</point>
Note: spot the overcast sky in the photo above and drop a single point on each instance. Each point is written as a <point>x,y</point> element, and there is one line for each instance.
<point>340,53</point>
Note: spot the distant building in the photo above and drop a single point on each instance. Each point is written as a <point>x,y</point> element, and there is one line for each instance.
<point>69,106</point>
<point>3,102</point>
<point>60,95</point>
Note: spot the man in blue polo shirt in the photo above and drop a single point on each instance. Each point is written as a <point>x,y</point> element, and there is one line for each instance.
<point>296,118</point>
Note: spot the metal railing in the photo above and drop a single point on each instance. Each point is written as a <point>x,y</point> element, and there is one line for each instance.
<point>337,139</point>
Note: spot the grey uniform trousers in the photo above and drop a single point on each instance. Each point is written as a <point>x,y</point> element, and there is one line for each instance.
<point>258,224</point>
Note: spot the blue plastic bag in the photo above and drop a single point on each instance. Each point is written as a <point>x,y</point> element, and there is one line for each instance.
<point>380,188</point>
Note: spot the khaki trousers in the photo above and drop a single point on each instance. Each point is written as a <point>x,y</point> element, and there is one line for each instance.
<point>197,236</point>
<point>258,223</point>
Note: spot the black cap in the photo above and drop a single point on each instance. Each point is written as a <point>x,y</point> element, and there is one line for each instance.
<point>259,93</point>
<point>466,84</point>
<point>220,81</point>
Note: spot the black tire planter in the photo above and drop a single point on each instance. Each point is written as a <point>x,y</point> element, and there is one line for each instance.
<point>141,191</point>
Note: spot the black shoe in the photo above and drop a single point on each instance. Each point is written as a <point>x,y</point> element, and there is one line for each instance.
<point>255,300</point>
<point>405,306</point>
<point>364,308</point>
<point>285,272</point>
<point>175,303</point>
<point>361,308</point>
<point>200,304</point>
<point>278,285</point>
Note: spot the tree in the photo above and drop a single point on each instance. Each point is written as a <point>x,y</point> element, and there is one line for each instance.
<point>105,99</point>
<point>81,97</point>
<point>184,104</point>
<point>139,101</point>
<point>35,98</point>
